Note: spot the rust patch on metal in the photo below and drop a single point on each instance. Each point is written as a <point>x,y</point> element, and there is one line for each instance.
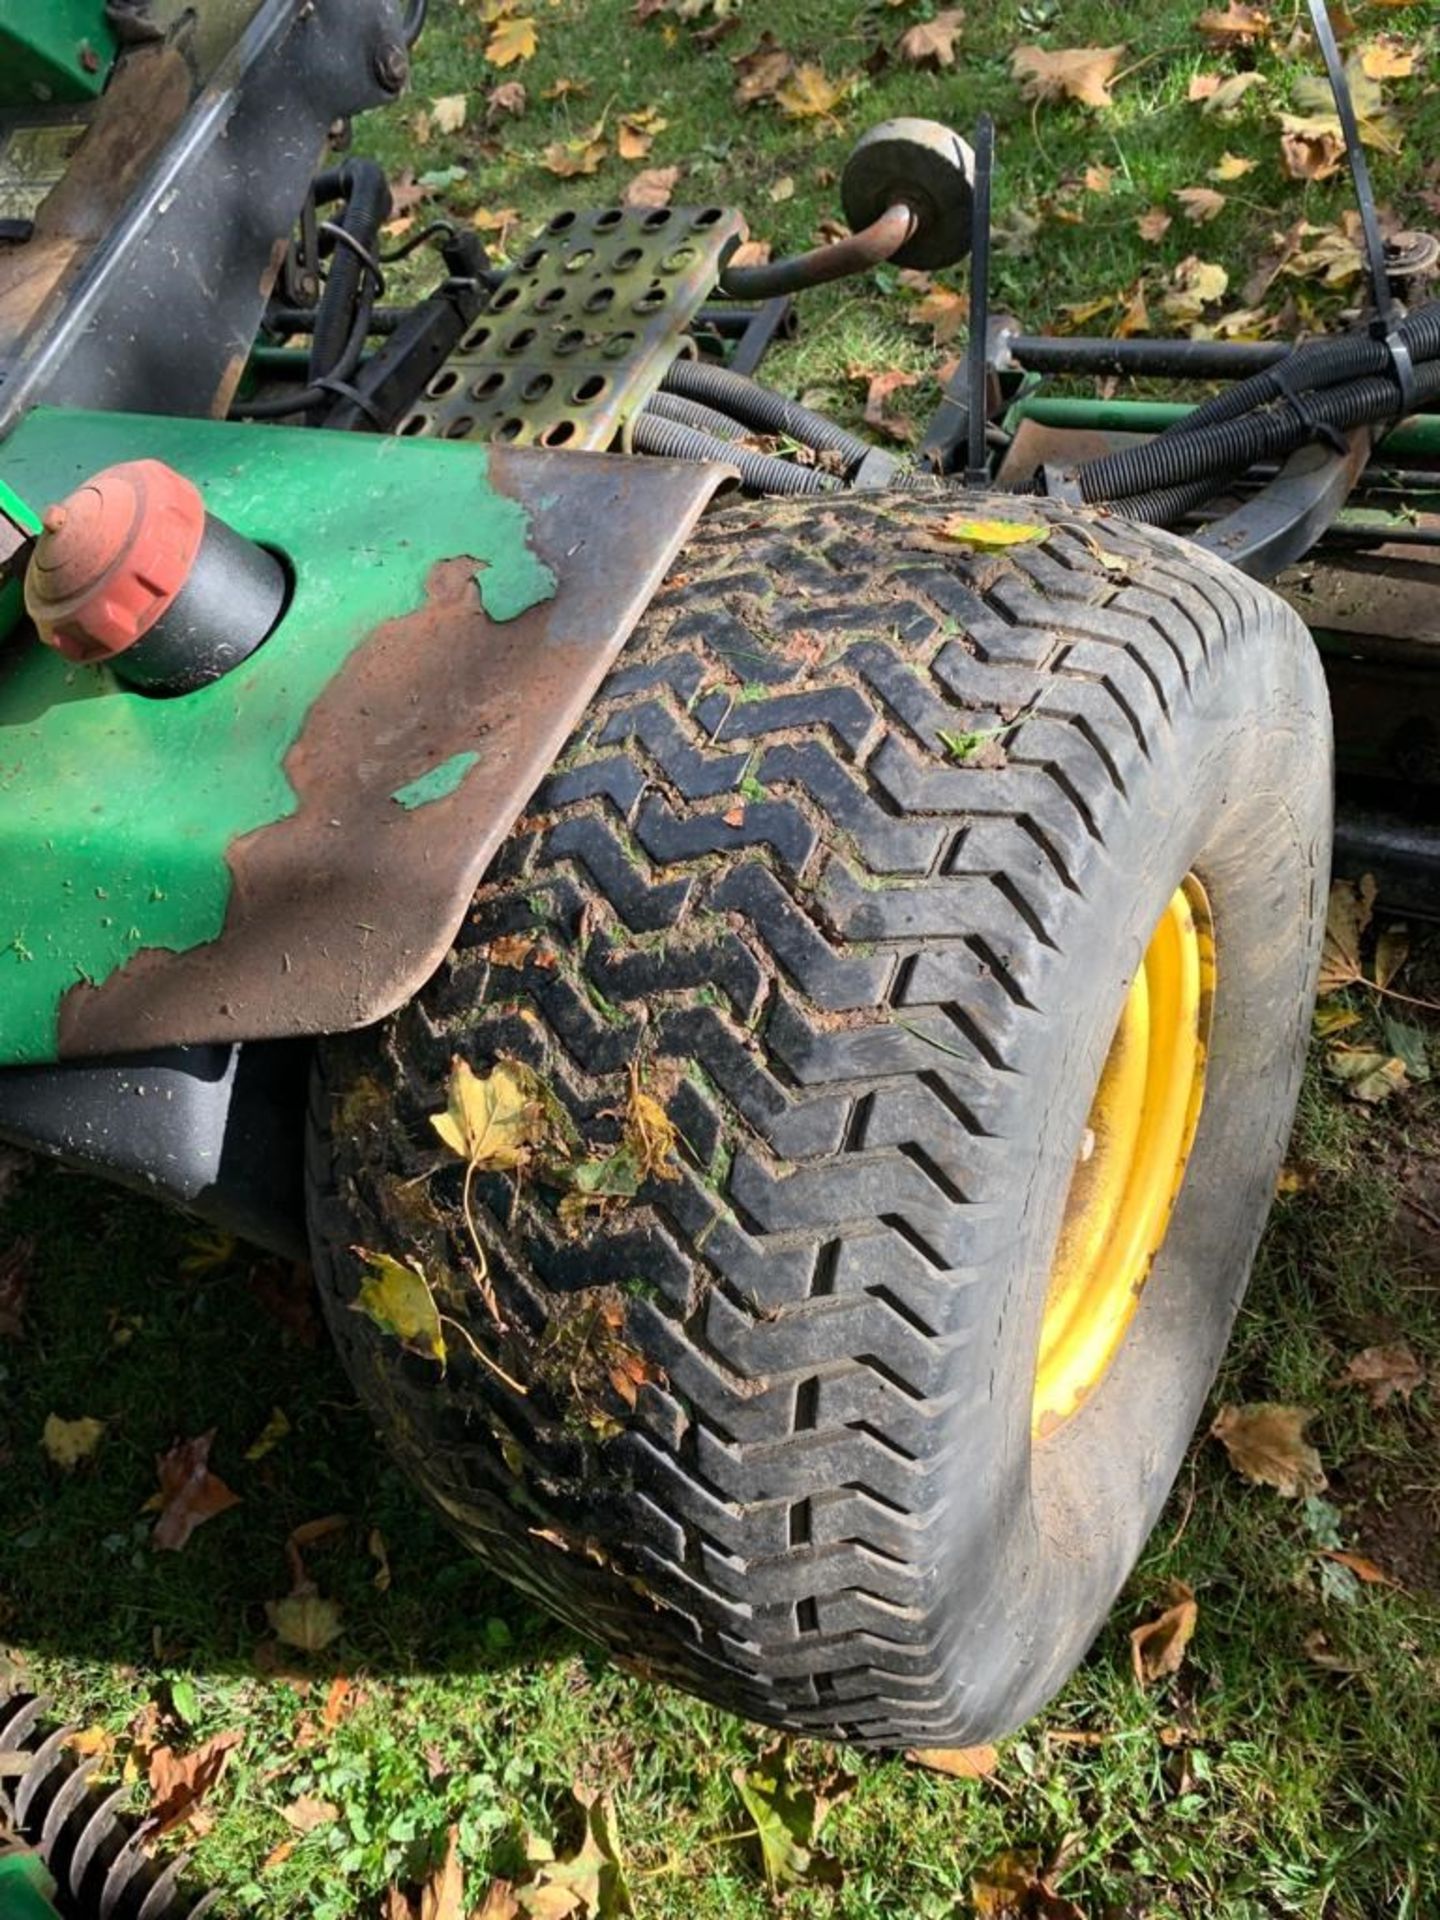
<point>341,911</point>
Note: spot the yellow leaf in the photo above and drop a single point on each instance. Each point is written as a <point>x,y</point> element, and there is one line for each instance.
<point>1157,1648</point>
<point>1232,166</point>
<point>1392,950</point>
<point>489,1123</point>
<point>960,1763</point>
<point>271,1434</point>
<point>810,94</point>
<point>512,40</point>
<point>568,158</point>
<point>991,536</point>
<point>68,1442</point>
<point>1369,1076</point>
<point>1223,97</point>
<point>650,1135</point>
<point>1083,74</point>
<point>1332,1018</point>
<point>1238,26</point>
<point>1266,1444</point>
<point>398,1299</point>
<point>1387,60</point>
<point>449,112</point>
<point>304,1620</point>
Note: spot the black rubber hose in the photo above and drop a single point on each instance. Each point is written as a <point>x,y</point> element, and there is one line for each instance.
<point>282,321</point>
<point>762,409</point>
<point>690,413</point>
<point>415,21</point>
<point>366,194</point>
<point>759,472</point>
<point>1220,452</point>
<point>1318,363</point>
<point>314,397</point>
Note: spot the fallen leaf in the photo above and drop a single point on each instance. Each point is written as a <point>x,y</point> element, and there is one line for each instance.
<point>1201,204</point>
<point>397,1297</point>
<point>1012,1887</point>
<point>508,97</point>
<point>1238,26</point>
<point>512,40</point>
<point>1136,317</point>
<point>991,536</point>
<point>443,1895</point>
<point>589,1883</point>
<point>1266,1444</point>
<point>1362,1568</point>
<point>1392,950</point>
<point>499,1903</point>
<point>808,93</point>
<point>307,1813</point>
<point>1226,95</point>
<point>761,71</point>
<point>1157,1648</point>
<point>14,1284</point>
<point>751,253</point>
<point>271,1434</point>
<point>960,1763</point>
<point>782,189</point>
<point>635,133</point>
<point>1197,284</point>
<point>180,1781</point>
<point>1384,1372</point>
<point>1367,1075</point>
<point>931,43</point>
<point>68,1442</point>
<point>1387,59</point>
<point>491,1123</point>
<point>562,88</point>
<point>1098,179</point>
<point>449,112</point>
<point>1378,124</point>
<point>1347,916</point>
<point>944,312</point>
<point>1311,150</point>
<point>305,1620</point>
<point>1083,74</point>
<point>788,1817</point>
<point>190,1493</point>
<point>880,388</point>
<point>1153,225</point>
<point>1232,166</point>
<point>651,188</point>
<point>567,159</point>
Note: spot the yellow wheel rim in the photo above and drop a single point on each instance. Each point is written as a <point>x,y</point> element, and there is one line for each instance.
<point>1132,1160</point>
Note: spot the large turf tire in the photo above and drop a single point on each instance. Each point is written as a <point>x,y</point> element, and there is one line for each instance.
<point>874,978</point>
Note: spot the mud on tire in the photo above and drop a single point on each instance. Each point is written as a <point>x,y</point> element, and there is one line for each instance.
<point>853,860</point>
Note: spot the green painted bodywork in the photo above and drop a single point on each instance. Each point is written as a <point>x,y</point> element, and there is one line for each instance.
<point>60,50</point>
<point>437,784</point>
<point>117,808</point>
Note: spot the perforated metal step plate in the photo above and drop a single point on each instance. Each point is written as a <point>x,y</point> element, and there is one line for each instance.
<point>582,330</point>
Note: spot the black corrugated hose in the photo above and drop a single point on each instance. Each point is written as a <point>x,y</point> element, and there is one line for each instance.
<point>690,413</point>
<point>349,289</point>
<point>762,409</point>
<point>759,472</point>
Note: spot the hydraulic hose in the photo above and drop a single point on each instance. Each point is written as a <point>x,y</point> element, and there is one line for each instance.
<point>759,472</point>
<point>690,413</point>
<point>415,21</point>
<point>1318,363</point>
<point>366,194</point>
<point>1228,447</point>
<point>762,409</point>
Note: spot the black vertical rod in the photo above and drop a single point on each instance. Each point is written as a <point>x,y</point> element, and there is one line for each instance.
<point>1359,166</point>
<point>977,465</point>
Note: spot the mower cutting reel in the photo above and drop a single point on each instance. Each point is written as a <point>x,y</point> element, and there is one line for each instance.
<point>885,909</point>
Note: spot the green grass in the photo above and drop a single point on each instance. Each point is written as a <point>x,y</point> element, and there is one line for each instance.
<point>1258,1782</point>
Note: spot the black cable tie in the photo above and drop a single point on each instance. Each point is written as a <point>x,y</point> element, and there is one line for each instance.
<point>343,390</point>
<point>1401,365</point>
<point>1313,427</point>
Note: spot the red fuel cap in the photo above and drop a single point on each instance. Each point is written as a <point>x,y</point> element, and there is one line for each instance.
<point>112,559</point>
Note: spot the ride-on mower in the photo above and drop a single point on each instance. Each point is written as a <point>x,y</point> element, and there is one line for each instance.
<point>769,979</point>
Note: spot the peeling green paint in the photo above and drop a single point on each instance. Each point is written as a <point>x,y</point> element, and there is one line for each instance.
<point>435,784</point>
<point>117,810</point>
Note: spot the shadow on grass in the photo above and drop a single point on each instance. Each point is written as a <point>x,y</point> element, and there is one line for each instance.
<point>135,1318</point>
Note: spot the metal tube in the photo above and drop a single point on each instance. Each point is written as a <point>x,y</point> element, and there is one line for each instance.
<point>1172,359</point>
<point>801,271</point>
<point>977,464</point>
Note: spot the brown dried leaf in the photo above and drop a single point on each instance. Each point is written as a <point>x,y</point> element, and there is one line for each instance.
<point>1266,1444</point>
<point>1347,916</point>
<point>880,388</point>
<point>1392,950</point>
<point>651,188</point>
<point>1083,74</point>
<point>509,97</point>
<point>1384,1372</point>
<point>307,1813</point>
<point>1310,149</point>
<point>567,159</point>
<point>931,43</point>
<point>1157,1648</point>
<point>960,1763</point>
<point>759,73</point>
<point>944,312</point>
<point>1387,59</point>
<point>1223,97</point>
<point>1362,1568</point>
<point>1201,204</point>
<point>1013,1887</point>
<point>1153,225</point>
<point>189,1493</point>
<point>1238,26</point>
<point>305,1620</point>
<point>443,1895</point>
<point>180,1781</point>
